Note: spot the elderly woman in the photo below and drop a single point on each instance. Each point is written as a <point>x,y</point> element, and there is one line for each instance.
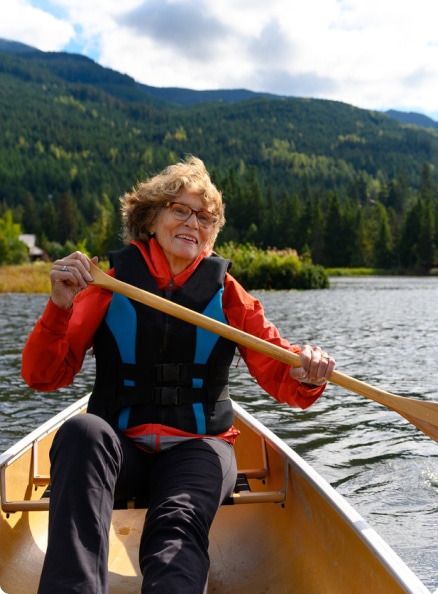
<point>162,422</point>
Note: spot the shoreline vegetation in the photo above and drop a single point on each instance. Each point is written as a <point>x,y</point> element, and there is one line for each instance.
<point>254,268</point>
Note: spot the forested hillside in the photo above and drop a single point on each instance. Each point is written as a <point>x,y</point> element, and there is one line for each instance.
<point>349,186</point>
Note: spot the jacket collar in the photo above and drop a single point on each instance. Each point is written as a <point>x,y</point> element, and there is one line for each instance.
<point>159,266</point>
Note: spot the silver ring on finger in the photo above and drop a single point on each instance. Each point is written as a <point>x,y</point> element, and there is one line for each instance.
<point>64,268</point>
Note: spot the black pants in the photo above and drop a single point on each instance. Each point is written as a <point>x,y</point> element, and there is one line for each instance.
<point>91,466</point>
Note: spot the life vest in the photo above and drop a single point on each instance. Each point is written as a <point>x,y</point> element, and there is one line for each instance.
<point>152,368</point>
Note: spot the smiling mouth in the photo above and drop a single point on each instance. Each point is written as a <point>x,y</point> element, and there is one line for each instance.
<point>189,238</point>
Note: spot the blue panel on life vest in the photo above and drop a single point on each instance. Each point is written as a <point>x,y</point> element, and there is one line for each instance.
<point>206,340</point>
<point>121,319</point>
<point>198,409</point>
<point>124,418</point>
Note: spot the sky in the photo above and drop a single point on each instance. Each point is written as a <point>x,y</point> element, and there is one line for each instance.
<point>373,54</point>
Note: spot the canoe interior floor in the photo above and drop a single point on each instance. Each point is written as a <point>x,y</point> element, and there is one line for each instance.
<point>232,571</point>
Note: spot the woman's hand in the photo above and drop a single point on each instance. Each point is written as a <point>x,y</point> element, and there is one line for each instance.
<point>68,277</point>
<point>316,366</point>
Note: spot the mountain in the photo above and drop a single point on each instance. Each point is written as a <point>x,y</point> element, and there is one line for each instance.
<point>77,68</point>
<point>327,143</point>
<point>412,118</point>
<point>74,67</point>
<point>15,47</point>
<point>85,109</point>
<point>183,96</point>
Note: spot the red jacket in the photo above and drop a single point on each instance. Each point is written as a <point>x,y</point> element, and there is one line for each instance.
<point>55,350</point>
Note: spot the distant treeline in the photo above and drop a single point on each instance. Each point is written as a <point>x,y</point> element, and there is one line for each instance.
<point>394,229</point>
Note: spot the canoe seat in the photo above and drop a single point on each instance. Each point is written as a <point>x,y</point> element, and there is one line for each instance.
<point>242,492</point>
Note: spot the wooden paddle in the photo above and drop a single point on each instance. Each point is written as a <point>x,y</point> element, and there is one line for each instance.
<point>422,414</point>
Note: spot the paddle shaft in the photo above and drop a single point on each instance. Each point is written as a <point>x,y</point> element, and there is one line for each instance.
<point>416,411</point>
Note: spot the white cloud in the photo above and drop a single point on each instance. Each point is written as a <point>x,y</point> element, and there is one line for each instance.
<point>377,54</point>
<point>33,26</point>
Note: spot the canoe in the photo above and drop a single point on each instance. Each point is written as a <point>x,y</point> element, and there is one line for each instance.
<point>286,530</point>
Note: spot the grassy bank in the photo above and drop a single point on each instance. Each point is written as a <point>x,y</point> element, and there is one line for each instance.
<point>357,272</point>
<point>29,278</point>
<point>25,278</point>
<point>253,268</point>
<point>380,272</point>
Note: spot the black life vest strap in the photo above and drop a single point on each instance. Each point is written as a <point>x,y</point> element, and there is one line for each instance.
<point>175,374</point>
<point>174,396</point>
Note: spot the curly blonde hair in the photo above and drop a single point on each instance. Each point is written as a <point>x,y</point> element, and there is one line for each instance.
<point>141,205</point>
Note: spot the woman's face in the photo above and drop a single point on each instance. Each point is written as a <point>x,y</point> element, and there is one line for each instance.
<point>181,241</point>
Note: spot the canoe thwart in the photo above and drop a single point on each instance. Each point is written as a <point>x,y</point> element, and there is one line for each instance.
<point>242,494</point>
<point>258,497</point>
<point>10,507</point>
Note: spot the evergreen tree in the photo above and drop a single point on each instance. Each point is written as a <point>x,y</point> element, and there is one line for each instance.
<point>361,189</point>
<point>304,231</point>
<point>270,223</point>
<point>233,200</point>
<point>359,251</point>
<point>354,234</point>
<point>426,248</point>
<point>317,234</point>
<point>334,251</point>
<point>427,187</point>
<point>411,229</point>
<point>398,193</point>
<point>49,222</point>
<point>68,219</point>
<point>290,222</point>
<point>31,217</point>
<point>254,208</point>
<point>383,244</point>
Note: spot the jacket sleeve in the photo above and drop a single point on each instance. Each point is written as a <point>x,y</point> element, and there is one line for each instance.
<point>56,347</point>
<point>246,313</point>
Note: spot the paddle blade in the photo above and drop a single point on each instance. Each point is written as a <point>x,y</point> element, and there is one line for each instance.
<point>428,428</point>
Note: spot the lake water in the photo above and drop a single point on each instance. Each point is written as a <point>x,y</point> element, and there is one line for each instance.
<point>380,330</point>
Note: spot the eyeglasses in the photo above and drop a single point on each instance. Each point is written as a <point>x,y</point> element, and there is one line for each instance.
<point>182,212</point>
